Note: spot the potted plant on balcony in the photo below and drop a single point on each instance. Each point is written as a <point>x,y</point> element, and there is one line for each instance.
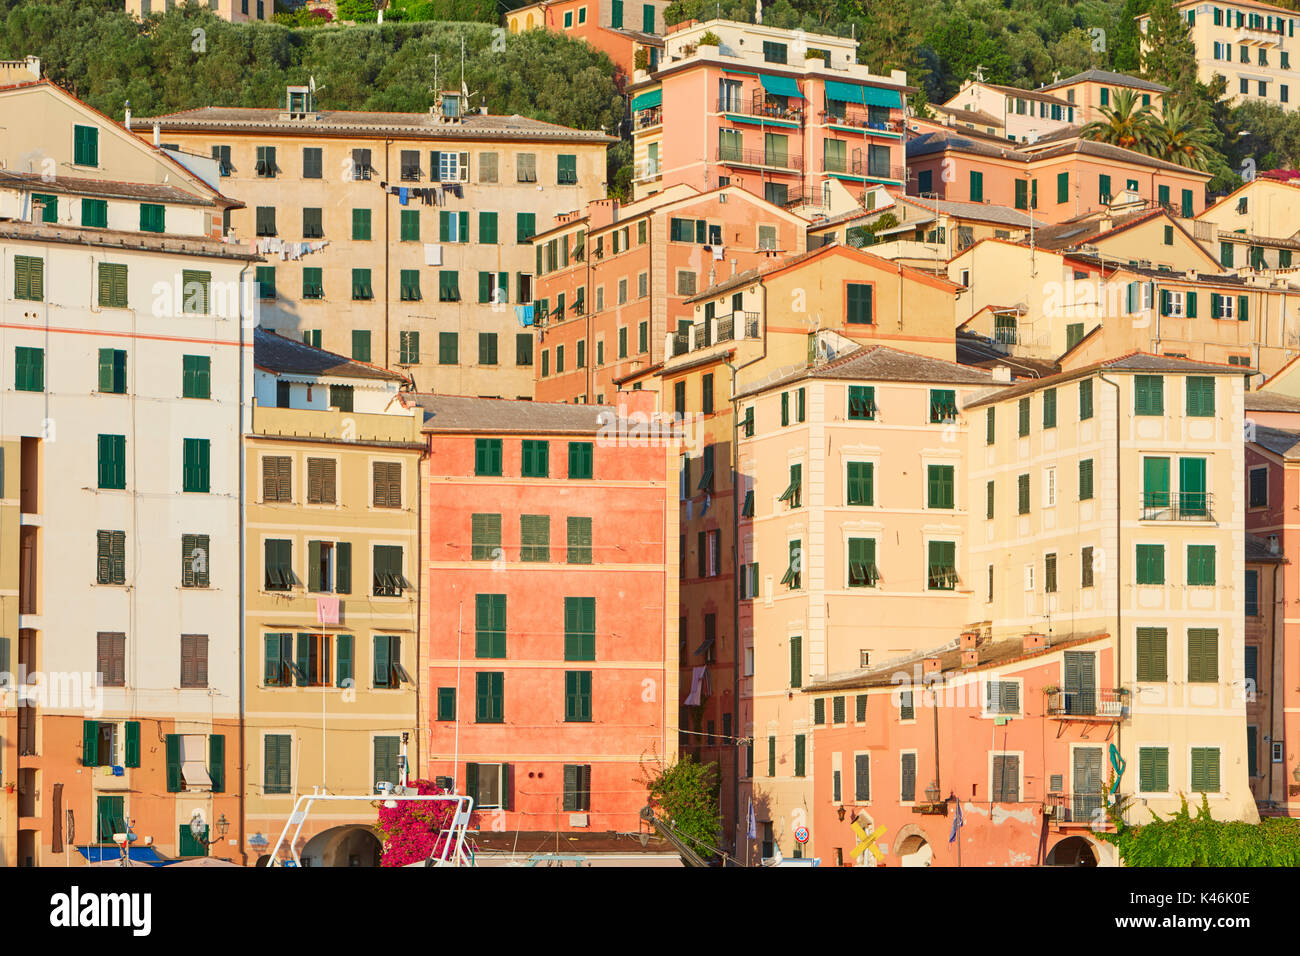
<point>1051,689</point>
<point>710,39</point>
<point>641,59</point>
<point>9,786</point>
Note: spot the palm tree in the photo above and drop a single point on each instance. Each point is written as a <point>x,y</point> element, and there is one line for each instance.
<point>1180,137</point>
<point>1128,123</point>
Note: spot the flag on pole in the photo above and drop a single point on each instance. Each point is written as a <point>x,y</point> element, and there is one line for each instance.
<point>957,824</point>
<point>753,827</point>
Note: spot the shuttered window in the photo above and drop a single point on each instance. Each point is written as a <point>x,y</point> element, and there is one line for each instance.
<point>388,760</point>
<point>153,217</point>
<point>485,536</point>
<point>489,625</point>
<point>362,290</point>
<point>489,697</point>
<point>906,707</point>
<point>1023,417</point>
<point>577,788</point>
<point>1148,395</point>
<point>278,560</point>
<point>861,483</point>
<point>196,557</point>
<point>1006,778</point>
<point>1205,770</point>
<point>1085,479</point>
<point>194,660</point>
<point>907,778</point>
<point>1200,564</point>
<point>85,146</point>
<point>277,478</point>
<point>1049,408</point>
<point>388,670</point>
<point>1202,655</point>
<point>1153,769</point>
<point>566,165</point>
<point>1152,654</point>
<point>940,486</point>
<point>1151,564</point>
<point>110,658</point>
<point>800,755</point>
<point>837,710</point>
<point>196,376</point>
<point>196,454</point>
<point>110,557</point>
<point>577,696</point>
<point>1085,399</point>
<point>942,565</point>
<point>388,579</point>
<point>580,459</point>
<point>278,662</point>
<point>112,461</point>
<point>196,289</point>
<point>1200,396</point>
<point>796,662</point>
<point>446,703</point>
<point>858,310</point>
<point>29,369</point>
<point>536,459</point>
<point>579,628</point>
<point>29,278</point>
<point>487,456</point>
<point>862,563</point>
<point>534,538</point>
<point>322,486</point>
<point>1001,697</point>
<point>278,763</point>
<point>386,484</point>
<point>112,285</point>
<point>94,213</point>
<point>112,371</point>
<point>579,540</point>
<point>861,777</point>
<point>360,224</point>
<point>408,281</point>
<point>344,675</point>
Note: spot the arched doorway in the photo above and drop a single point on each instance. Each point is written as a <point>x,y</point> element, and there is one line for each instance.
<point>353,845</point>
<point>1073,851</point>
<point>912,847</point>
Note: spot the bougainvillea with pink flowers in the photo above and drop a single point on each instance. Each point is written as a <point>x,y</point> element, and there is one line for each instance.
<point>414,830</point>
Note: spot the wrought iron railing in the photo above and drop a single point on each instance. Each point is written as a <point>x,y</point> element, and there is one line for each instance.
<point>758,157</point>
<point>1177,506</point>
<point>758,106</point>
<point>861,120</point>
<point>726,328</point>
<point>681,343</point>
<point>1087,702</point>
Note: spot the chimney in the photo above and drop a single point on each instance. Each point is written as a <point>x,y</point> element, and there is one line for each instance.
<point>157,135</point>
<point>1002,374</point>
<point>968,639</point>
<point>970,658</point>
<point>1035,642</point>
<point>931,665</point>
<point>128,115</point>
<point>1191,275</point>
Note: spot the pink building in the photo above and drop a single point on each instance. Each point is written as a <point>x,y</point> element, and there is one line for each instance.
<point>550,612</point>
<point>982,725</point>
<point>778,112</point>
<point>619,28</point>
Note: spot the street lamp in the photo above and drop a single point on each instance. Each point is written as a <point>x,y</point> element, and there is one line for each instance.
<point>197,828</point>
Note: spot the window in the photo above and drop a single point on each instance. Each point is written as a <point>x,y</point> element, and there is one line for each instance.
<point>1200,396</point>
<point>1205,770</point>
<point>942,566</point>
<point>112,461</point>
<point>577,777</point>
<point>29,279</point>
<point>860,483</point>
<point>907,777</point>
<point>487,456</point>
<point>862,402</point>
<point>487,348</point>
<point>489,697</point>
<point>858,307</point>
<point>361,288</point>
<point>153,217</point>
<point>1153,769</point>
<point>523,349</point>
<point>566,169</point>
<point>110,658</point>
<point>1022,494</point>
<point>1149,395</point>
<point>1151,564</point>
<point>110,557</point>
<point>408,348</point>
<point>535,538</point>
<point>1001,697</point>
<point>94,213</point>
<point>112,371</point>
<point>774,52</point>
<point>862,563</point>
<point>1200,565</point>
<point>577,696</point>
<point>793,493</point>
<point>388,669</point>
<point>112,292</point>
<point>794,570</point>
<point>1005,778</point>
<point>579,540</point>
<point>388,580</point>
<point>1023,417</point>
<point>1085,399</point>
<point>490,624</point>
<point>580,459</point>
<point>941,486</point>
<point>1049,408</point>
<point>409,285</point>
<point>85,146</point>
<point>536,459</point>
<point>1202,655</point>
<point>386,484</point>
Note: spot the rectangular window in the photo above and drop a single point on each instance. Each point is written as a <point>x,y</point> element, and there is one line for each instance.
<point>536,459</point>
<point>362,291</point>
<point>111,658</point>
<point>278,765</point>
<point>112,461</point>
<point>580,459</point>
<point>1152,655</point>
<point>534,538</point>
<point>153,217</point>
<point>579,540</point>
<point>941,485</point>
<point>1049,408</point>
<point>860,483</point>
<point>1022,494</point>
<point>907,778</point>
<point>577,696</point>
<point>1085,399</point>
<point>862,563</point>
<point>1200,396</point>
<point>110,560</point>
<point>566,169</point>
<point>1205,770</point>
<point>408,348</point>
<point>29,278</point>
<point>196,555</point>
<point>112,371</point>
<point>1149,395</point>
<point>1202,655</point>
<point>85,145</point>
<point>942,566</point>
<point>1006,778</point>
<point>1200,565</point>
<point>862,402</point>
<point>1023,413</point>
<point>388,579</point>
<point>197,472</point>
<point>1151,564</point>
<point>1153,769</point>
<point>490,623</point>
<point>94,213</point>
<point>858,307</point>
<point>386,484</point>
<point>487,456</point>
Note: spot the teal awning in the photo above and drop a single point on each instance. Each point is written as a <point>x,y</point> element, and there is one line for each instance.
<point>647,100</point>
<point>780,85</point>
<point>863,95</point>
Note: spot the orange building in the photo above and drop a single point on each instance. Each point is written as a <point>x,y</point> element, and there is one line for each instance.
<point>617,28</point>
<point>1057,178</point>
<point>549,621</point>
<point>612,284</point>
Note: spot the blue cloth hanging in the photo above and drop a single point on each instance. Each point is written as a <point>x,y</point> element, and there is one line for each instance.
<point>525,314</point>
<point>401,195</point>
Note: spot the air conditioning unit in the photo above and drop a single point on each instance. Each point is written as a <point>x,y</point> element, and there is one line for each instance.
<point>578,820</point>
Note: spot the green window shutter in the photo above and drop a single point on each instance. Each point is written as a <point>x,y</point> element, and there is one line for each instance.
<point>446,703</point>
<point>85,146</point>
<point>1062,187</point>
<point>771,756</point>
<point>1022,494</point>
<point>800,755</point>
<point>112,461</point>
<point>1200,396</point>
<point>1103,189</point>
<point>197,470</point>
<point>153,217</point>
<point>579,535</point>
<point>132,758</point>
<point>196,376</point>
<point>796,662</point>
<point>410,225</point>
<point>217,762</point>
<point>1243,308</point>
<point>173,753</point>
<point>859,306</point>
<point>1085,479</point>
<point>1155,482</point>
<point>343,670</point>
<point>112,285</point>
<point>487,228</point>
<point>463,224</point>
<point>196,288</point>
<point>819,710</point>
<point>90,743</point>
<point>29,278</point>
<point>1200,564</point>
<point>1192,497</point>
<point>861,481</point>
<point>1152,654</point>
<point>1049,408</point>
<point>1085,399</point>
<point>360,224</point>
<point>941,486</point>
<point>1202,655</point>
<point>1151,564</point>
<point>580,459</point>
<point>94,213</point>
<point>490,625</point>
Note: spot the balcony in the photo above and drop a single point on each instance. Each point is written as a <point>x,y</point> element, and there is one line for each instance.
<point>647,119</point>
<point>681,343</point>
<point>862,169</point>
<point>1076,809</point>
<point>860,119</point>
<point>1006,335</point>
<point>727,328</point>
<point>758,159</point>
<point>709,332</point>
<point>761,107</point>
<point>1177,506</point>
<point>1087,704</point>
<point>1257,36</point>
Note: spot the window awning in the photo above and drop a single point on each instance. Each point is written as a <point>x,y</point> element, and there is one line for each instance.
<point>113,853</point>
<point>863,95</point>
<point>704,648</point>
<point>699,687</point>
<point>648,101</point>
<point>780,85</point>
<point>195,775</point>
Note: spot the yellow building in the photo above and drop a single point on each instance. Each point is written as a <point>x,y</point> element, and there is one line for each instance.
<point>1109,501</point>
<point>1256,226</point>
<point>401,239</point>
<point>855,516</point>
<point>1092,91</point>
<point>331,629</point>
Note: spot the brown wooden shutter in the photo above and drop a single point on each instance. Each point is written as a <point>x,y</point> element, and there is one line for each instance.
<point>194,660</point>
<point>314,473</point>
<point>387,484</point>
<point>277,478</point>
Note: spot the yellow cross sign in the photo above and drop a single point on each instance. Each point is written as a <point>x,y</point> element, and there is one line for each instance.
<point>867,841</point>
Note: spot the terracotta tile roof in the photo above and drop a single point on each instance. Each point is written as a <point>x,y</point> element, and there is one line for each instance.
<point>878,363</point>
<point>457,413</point>
<point>116,239</point>
<point>1084,229</point>
<point>1106,76</point>
<point>277,353</point>
<point>1271,402</point>
<point>1259,551</point>
<point>107,188</point>
<point>979,352</point>
<point>359,123</point>
<point>937,142</point>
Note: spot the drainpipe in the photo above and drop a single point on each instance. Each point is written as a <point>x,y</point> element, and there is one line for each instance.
<point>1275,688</point>
<point>243,588</point>
<point>735,556</point>
<point>1118,559</point>
<point>388,143</point>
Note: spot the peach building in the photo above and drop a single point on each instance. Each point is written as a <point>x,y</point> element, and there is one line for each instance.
<point>980,725</point>
<point>1273,719</point>
<point>1110,502</point>
<point>619,28</point>
<point>1055,179</point>
<point>236,11</point>
<point>855,509</point>
<point>550,610</point>
<point>614,283</point>
<point>1008,111</point>
<point>779,112</point>
<point>1092,91</point>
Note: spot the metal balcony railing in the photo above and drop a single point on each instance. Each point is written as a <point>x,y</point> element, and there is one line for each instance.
<point>681,343</point>
<point>1006,335</point>
<point>758,105</point>
<point>727,328</point>
<point>1088,702</point>
<point>703,334</point>
<point>1177,506</point>
<point>751,325</point>
<point>1083,808</point>
<point>759,158</point>
<point>860,119</point>
<point>644,119</point>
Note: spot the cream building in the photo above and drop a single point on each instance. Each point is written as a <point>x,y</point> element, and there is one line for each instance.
<point>1109,500</point>
<point>1092,91</point>
<point>402,239</point>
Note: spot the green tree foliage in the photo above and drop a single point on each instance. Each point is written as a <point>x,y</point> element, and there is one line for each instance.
<point>686,795</point>
<point>1170,56</point>
<point>1126,123</point>
<point>1183,840</point>
<point>1178,136</point>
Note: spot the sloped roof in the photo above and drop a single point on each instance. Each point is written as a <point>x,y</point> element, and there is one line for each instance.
<point>1106,76</point>
<point>937,142</point>
<point>457,413</point>
<point>108,189</point>
<point>1271,402</point>
<point>276,353</point>
<point>1280,441</point>
<point>126,240</point>
<point>879,363</point>
<point>1258,551</point>
<point>1090,227</point>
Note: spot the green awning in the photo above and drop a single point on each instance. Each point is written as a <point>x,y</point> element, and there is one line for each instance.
<point>647,100</point>
<point>863,95</point>
<point>780,85</point>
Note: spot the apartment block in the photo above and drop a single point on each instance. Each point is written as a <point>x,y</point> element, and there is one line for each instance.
<point>331,611</point>
<point>1008,111</point>
<point>1092,91</point>
<point>627,33</point>
<point>236,11</point>
<point>778,112</point>
<point>402,239</point>
<point>549,590</point>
